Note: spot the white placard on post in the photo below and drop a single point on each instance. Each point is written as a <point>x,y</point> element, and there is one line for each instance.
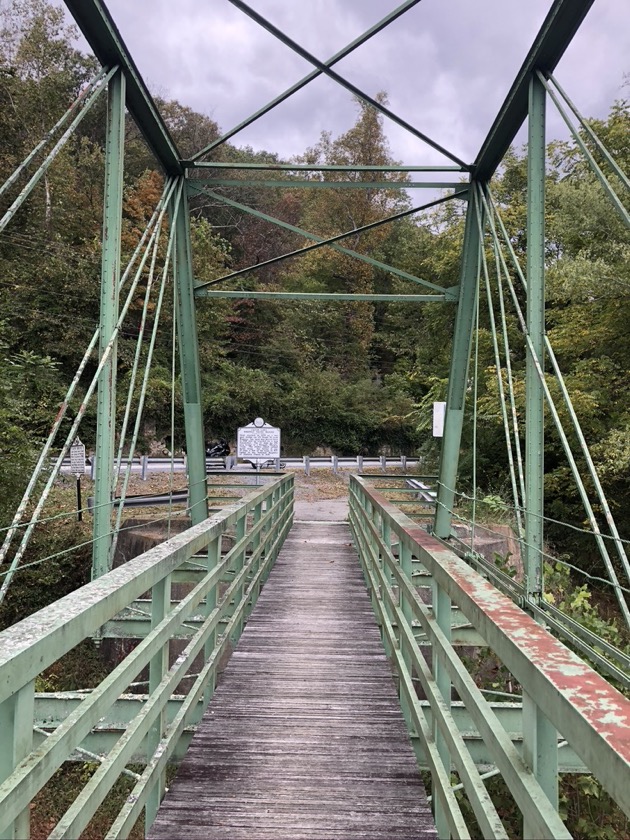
<point>77,458</point>
<point>439,413</point>
<point>258,442</point>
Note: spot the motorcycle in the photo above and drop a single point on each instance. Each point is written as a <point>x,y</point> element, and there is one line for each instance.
<point>218,450</point>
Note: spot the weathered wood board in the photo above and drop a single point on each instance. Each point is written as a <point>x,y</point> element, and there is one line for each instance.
<point>304,737</point>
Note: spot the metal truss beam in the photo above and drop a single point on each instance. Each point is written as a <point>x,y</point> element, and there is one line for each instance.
<point>321,167</point>
<point>102,35</point>
<point>555,35</point>
<point>329,185</point>
<point>51,710</point>
<point>332,74</point>
<point>369,33</point>
<point>331,296</point>
<point>320,242</point>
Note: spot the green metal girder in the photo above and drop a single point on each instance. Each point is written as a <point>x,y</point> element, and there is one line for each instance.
<point>189,365</point>
<point>534,414</point>
<point>353,45</point>
<point>331,241</point>
<point>559,27</point>
<point>52,709</point>
<point>103,36</point>
<point>328,185</point>
<point>314,296</point>
<point>318,167</point>
<point>332,74</point>
<point>109,306</point>
<point>591,715</point>
<point>458,376</point>
<point>38,641</point>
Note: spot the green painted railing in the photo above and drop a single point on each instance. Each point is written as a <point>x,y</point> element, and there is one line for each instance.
<point>259,523</point>
<point>421,593</point>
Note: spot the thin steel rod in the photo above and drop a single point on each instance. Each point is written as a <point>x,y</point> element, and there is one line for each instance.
<point>499,368</point>
<point>591,133</point>
<point>136,365</point>
<point>43,458</point>
<point>615,536</point>
<point>322,242</point>
<point>132,385</point>
<point>362,39</point>
<point>599,174</point>
<point>50,134</point>
<point>82,409</point>
<point>95,757</point>
<point>565,443</point>
<point>45,164</point>
<point>147,371</point>
<point>320,167</point>
<point>510,378</point>
<point>332,74</point>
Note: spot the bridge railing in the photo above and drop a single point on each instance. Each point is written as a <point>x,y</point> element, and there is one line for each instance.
<point>421,592</point>
<point>259,523</point>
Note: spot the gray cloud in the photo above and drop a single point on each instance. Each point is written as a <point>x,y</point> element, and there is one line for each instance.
<point>446,66</point>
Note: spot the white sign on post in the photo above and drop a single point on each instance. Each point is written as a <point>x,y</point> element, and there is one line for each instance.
<point>77,458</point>
<point>258,442</point>
<point>439,413</point>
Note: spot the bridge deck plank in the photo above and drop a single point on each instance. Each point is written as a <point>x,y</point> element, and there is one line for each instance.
<point>304,737</point>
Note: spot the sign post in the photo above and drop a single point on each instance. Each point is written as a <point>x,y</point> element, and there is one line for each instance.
<point>77,468</point>
<point>258,442</point>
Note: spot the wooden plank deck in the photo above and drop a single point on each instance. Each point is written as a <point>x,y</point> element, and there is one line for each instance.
<point>304,737</point>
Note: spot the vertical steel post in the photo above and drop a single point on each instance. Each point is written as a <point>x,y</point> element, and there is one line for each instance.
<point>16,742</point>
<point>110,274</point>
<point>240,531</point>
<point>458,377</point>
<point>189,360</point>
<point>540,740</point>
<point>540,753</point>
<point>534,416</point>
<point>442,612</point>
<point>160,607</point>
<point>213,560</point>
<point>406,564</point>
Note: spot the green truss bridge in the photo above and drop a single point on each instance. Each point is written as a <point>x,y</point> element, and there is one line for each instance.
<point>349,706</point>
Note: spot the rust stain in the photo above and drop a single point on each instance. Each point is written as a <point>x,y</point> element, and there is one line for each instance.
<point>604,708</point>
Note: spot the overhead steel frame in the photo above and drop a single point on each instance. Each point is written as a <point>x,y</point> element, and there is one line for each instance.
<point>556,33</point>
<point>527,96</point>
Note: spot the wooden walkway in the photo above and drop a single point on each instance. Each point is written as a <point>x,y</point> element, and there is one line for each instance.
<point>304,737</point>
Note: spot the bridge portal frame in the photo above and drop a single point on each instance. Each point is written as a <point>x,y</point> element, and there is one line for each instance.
<point>526,97</point>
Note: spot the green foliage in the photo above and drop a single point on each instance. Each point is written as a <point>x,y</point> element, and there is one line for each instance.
<point>589,812</point>
<point>579,602</point>
<point>41,581</point>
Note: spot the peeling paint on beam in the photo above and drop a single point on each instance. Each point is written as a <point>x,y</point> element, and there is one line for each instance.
<point>592,715</point>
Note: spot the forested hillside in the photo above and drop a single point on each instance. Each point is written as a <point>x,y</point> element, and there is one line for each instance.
<point>353,377</point>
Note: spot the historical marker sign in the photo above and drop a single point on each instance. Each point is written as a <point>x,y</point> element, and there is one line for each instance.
<point>77,458</point>
<point>258,442</point>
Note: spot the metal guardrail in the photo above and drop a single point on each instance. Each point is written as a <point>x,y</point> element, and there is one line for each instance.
<point>564,700</point>
<point>260,521</point>
<point>145,464</point>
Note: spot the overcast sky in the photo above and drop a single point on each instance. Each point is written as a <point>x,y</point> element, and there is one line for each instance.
<point>446,65</point>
